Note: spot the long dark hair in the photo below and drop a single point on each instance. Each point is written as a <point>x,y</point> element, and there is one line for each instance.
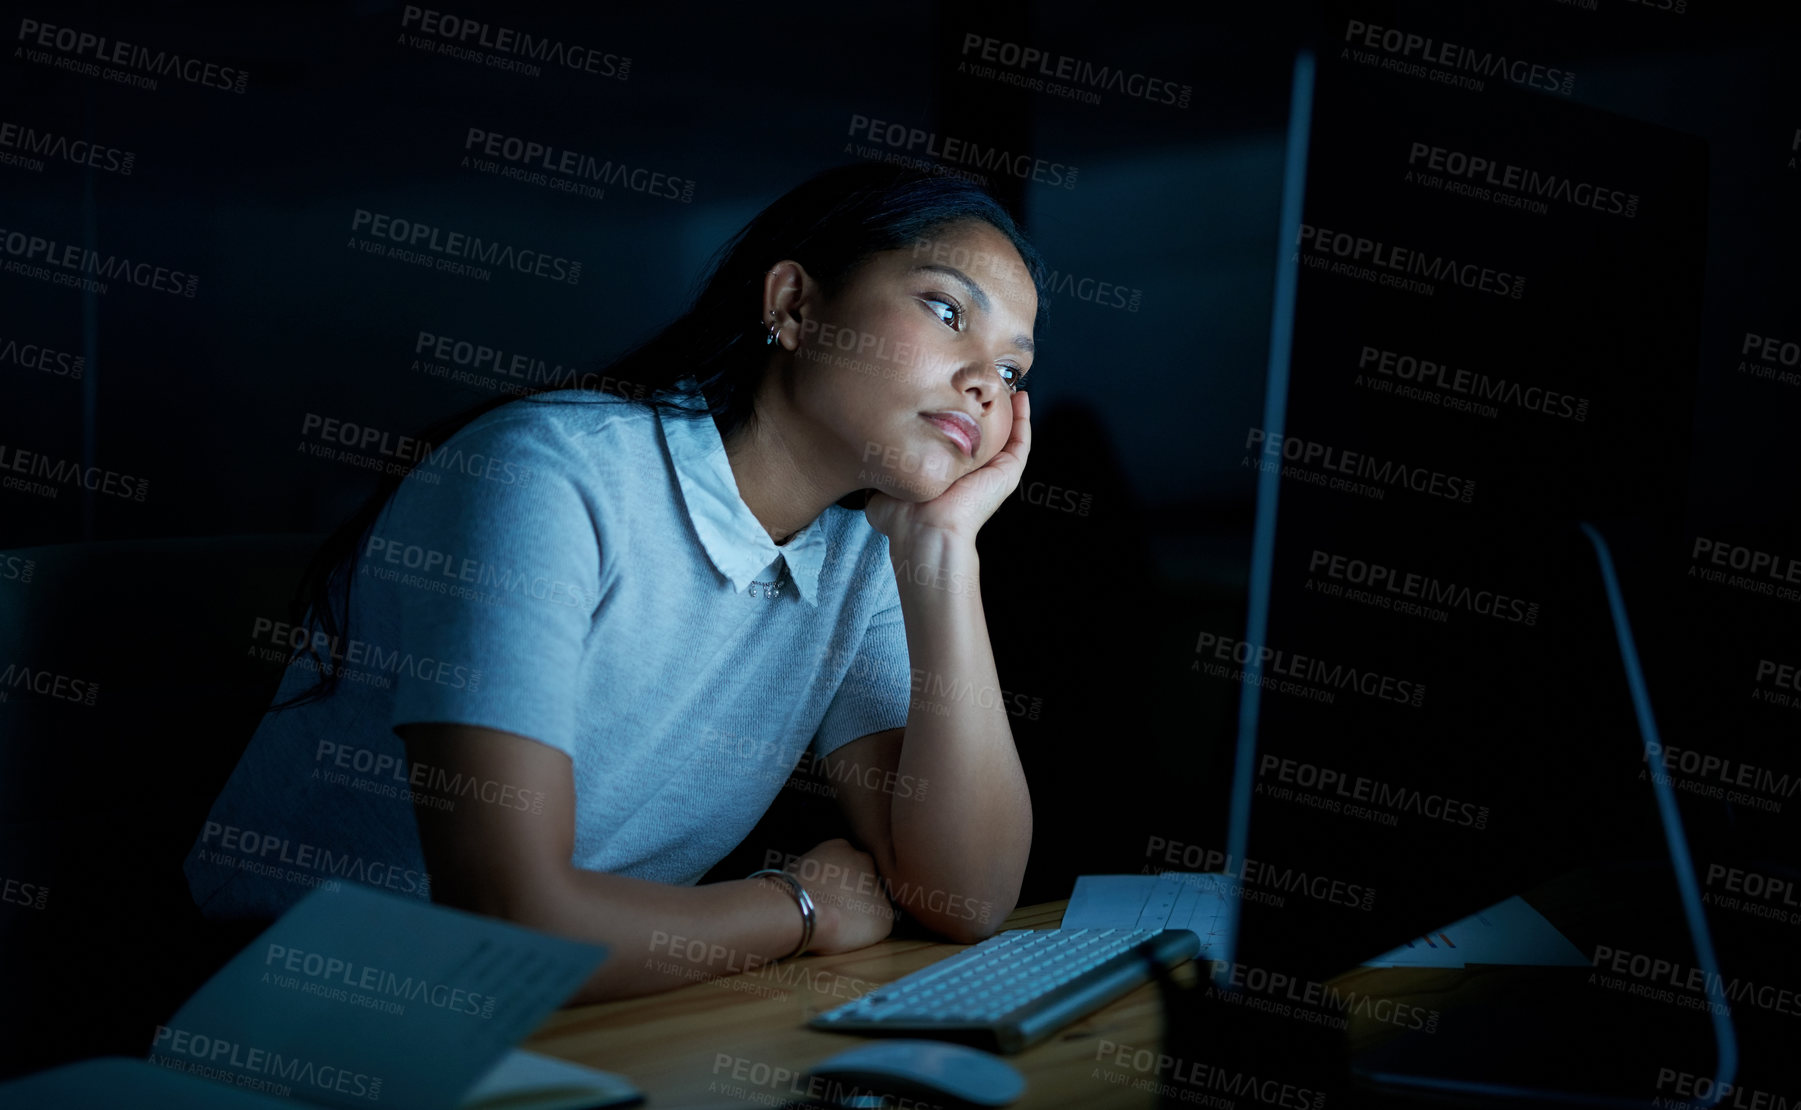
<point>830,224</point>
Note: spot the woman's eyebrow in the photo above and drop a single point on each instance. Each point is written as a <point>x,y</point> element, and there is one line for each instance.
<point>976,294</point>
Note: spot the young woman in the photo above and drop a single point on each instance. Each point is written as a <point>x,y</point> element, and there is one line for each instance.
<point>588,636</point>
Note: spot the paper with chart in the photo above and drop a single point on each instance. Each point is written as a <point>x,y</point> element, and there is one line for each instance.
<point>1190,900</point>
<point>1508,932</point>
<point>358,997</point>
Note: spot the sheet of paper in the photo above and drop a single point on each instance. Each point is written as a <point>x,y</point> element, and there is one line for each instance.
<point>1189,900</point>
<point>528,1080</point>
<point>1509,932</point>
<point>110,1082</point>
<point>358,997</point>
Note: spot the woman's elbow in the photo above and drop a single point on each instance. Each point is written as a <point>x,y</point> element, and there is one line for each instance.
<point>967,932</point>
<point>969,923</point>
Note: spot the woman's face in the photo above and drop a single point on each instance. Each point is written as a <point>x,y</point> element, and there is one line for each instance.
<point>907,367</point>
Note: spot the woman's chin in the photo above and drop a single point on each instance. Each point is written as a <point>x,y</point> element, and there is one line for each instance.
<point>916,490</point>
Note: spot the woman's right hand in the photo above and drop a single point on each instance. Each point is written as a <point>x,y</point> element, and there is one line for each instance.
<point>851,909</point>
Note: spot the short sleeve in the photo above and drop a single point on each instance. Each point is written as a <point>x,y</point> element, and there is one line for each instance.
<point>492,552</point>
<point>877,689</point>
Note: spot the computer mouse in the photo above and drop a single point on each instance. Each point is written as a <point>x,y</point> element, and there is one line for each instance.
<point>926,1072</point>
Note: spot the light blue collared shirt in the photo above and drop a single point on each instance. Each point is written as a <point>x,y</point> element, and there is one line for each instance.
<point>573,568</point>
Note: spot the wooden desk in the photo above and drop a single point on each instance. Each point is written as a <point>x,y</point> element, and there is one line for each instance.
<point>725,1043</point>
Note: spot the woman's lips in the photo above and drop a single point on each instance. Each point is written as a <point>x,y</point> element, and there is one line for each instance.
<point>960,427</point>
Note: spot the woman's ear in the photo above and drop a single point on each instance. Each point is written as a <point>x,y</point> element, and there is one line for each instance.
<point>790,291</point>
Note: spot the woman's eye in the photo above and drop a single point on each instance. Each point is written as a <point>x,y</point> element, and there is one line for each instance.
<point>956,314</point>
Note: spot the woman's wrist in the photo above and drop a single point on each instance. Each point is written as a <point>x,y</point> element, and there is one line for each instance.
<point>801,908</point>
<point>778,927</point>
<point>825,921</point>
<point>931,546</point>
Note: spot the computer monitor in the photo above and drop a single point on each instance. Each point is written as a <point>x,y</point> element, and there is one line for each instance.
<point>1473,451</point>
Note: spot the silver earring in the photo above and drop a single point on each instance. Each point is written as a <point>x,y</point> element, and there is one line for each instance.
<point>772,330</point>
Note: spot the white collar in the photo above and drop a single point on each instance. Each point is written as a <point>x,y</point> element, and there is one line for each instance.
<point>734,539</point>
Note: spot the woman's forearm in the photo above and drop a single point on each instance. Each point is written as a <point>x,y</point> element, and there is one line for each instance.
<point>960,849</point>
<point>499,862</point>
<point>660,936</point>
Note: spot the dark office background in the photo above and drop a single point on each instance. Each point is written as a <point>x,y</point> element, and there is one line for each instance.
<point>1139,409</point>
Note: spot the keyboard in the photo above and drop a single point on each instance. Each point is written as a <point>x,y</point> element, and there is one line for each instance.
<point>1015,988</point>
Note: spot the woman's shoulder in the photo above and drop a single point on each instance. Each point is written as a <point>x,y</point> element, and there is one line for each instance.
<point>572,410</point>
<point>567,424</point>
